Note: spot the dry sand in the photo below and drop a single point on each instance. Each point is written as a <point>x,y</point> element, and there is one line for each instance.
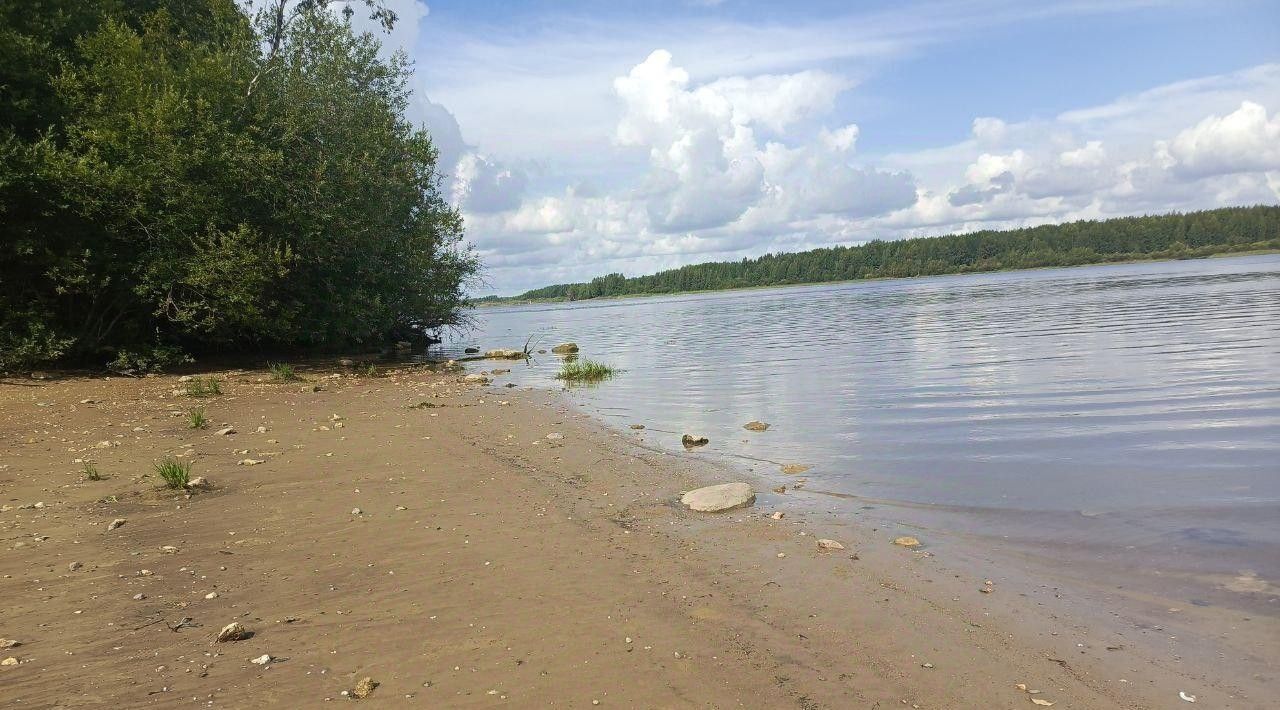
<point>487,566</point>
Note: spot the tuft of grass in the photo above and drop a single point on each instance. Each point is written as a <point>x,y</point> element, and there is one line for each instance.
<point>203,387</point>
<point>283,372</point>
<point>370,371</point>
<point>196,418</point>
<point>585,371</point>
<point>175,473</point>
<point>91,472</point>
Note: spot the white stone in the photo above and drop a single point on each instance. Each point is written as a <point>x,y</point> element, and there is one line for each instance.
<point>826,545</point>
<point>714,499</point>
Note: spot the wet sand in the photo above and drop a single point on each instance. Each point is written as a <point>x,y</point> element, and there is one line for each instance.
<point>489,565</point>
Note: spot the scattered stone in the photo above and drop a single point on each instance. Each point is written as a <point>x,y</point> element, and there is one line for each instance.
<point>792,469</point>
<point>116,523</point>
<point>9,643</point>
<point>471,351</point>
<point>825,545</point>
<point>88,401</point>
<point>638,427</point>
<point>186,378</point>
<point>357,511</point>
<point>198,482</point>
<point>476,377</point>
<point>10,661</point>
<point>780,489</point>
<point>225,431</point>
<point>505,354</point>
<point>262,660</point>
<point>565,349</point>
<point>1041,702</point>
<point>907,541</point>
<point>502,371</point>
<point>694,440</point>
<point>364,688</point>
<point>756,426</point>
<point>401,507</point>
<point>555,436</point>
<point>75,566</point>
<point>926,665</point>
<point>250,462</point>
<point>139,597</point>
<point>211,595</point>
<point>169,549</point>
<point>235,631</point>
<point>779,515</point>
<point>715,499</point>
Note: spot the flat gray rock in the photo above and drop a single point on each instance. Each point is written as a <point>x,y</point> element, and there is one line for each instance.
<point>715,499</point>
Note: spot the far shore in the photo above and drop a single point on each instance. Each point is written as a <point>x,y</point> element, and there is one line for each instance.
<point>514,301</point>
<point>430,541</point>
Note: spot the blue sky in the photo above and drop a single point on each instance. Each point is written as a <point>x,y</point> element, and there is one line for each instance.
<point>580,138</point>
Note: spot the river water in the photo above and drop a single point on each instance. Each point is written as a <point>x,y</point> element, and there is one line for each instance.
<point>1119,414</point>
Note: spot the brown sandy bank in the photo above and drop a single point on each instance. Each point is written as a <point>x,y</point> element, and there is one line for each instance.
<point>487,566</point>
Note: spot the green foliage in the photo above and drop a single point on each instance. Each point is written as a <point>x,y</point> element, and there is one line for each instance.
<point>91,472</point>
<point>165,181</point>
<point>196,418</point>
<point>174,473</point>
<point>203,387</point>
<point>155,359</point>
<point>585,371</point>
<point>282,372</point>
<point>1175,236</point>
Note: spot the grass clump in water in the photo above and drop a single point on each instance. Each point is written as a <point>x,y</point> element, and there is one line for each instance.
<point>203,387</point>
<point>91,472</point>
<point>196,418</point>
<point>176,474</point>
<point>585,371</point>
<point>283,372</point>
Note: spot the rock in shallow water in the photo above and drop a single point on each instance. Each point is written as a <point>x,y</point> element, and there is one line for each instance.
<point>756,426</point>
<point>693,440</point>
<point>715,499</point>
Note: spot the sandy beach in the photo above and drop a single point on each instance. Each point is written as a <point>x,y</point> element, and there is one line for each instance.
<point>427,533</point>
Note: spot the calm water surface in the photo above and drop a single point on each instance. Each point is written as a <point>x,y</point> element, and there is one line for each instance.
<point>1062,406</point>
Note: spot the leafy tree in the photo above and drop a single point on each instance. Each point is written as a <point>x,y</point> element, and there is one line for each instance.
<point>149,199</point>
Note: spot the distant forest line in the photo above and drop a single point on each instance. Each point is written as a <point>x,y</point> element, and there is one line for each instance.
<point>1171,236</point>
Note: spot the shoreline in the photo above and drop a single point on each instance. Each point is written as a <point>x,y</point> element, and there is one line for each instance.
<point>542,301</point>
<point>490,565</point>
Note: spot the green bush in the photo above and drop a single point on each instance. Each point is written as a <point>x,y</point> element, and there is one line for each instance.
<point>283,372</point>
<point>203,387</point>
<point>585,371</point>
<point>174,473</point>
<point>91,472</point>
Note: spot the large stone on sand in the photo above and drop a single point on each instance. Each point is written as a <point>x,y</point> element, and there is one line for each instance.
<point>715,499</point>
